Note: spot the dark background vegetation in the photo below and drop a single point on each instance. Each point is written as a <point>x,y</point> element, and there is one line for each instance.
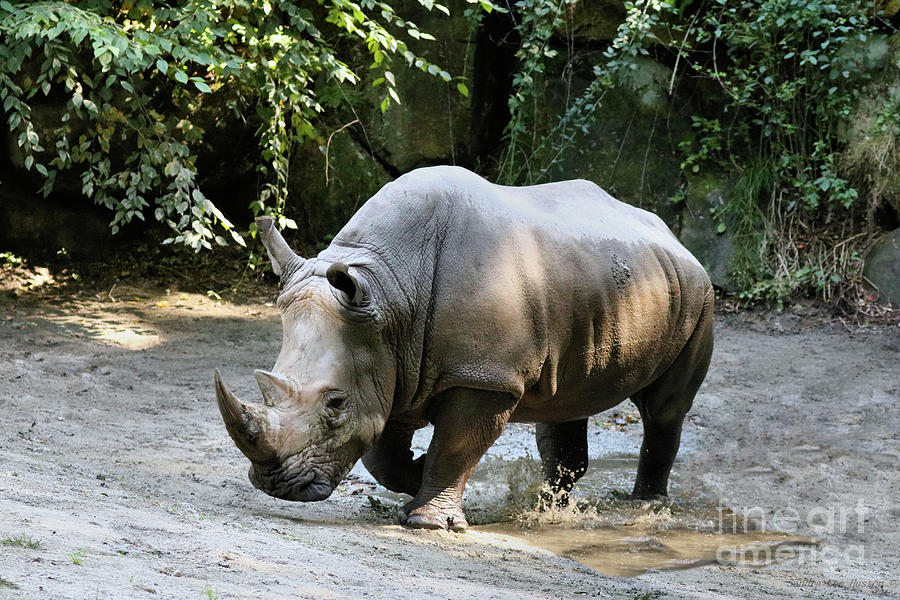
<point>764,133</point>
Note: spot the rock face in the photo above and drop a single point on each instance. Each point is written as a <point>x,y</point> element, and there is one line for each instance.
<point>597,20</point>
<point>883,267</point>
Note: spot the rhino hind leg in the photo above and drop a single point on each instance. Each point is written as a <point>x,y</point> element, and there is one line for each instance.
<point>663,406</point>
<point>466,423</point>
<point>658,450</point>
<point>564,458</point>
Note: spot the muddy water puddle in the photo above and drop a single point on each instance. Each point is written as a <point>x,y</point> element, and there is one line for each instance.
<point>602,529</point>
<point>626,551</point>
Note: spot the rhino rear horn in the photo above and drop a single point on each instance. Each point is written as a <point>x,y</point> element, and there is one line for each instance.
<point>250,426</point>
<point>275,388</point>
<point>280,254</point>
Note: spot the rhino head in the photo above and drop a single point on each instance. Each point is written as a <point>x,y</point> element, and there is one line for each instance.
<point>327,398</point>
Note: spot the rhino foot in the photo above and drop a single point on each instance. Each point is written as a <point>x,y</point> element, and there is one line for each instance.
<point>428,516</point>
<point>548,500</point>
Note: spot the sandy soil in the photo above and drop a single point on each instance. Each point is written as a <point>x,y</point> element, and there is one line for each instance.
<point>117,479</point>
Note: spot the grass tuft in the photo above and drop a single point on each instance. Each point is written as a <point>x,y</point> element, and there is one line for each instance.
<point>21,541</point>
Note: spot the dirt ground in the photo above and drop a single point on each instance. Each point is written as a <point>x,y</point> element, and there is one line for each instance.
<point>118,480</point>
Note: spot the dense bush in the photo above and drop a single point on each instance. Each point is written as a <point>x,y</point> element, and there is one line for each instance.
<point>131,76</point>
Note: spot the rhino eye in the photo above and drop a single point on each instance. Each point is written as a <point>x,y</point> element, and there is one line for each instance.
<point>336,402</point>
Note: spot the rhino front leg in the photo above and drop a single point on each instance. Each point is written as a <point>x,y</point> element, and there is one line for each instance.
<point>466,423</point>
<point>564,457</point>
<point>390,460</point>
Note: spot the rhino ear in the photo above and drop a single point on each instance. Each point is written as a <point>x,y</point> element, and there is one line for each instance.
<point>339,277</point>
<point>280,254</point>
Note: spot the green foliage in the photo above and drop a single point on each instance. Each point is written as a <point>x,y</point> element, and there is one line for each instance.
<point>539,19</point>
<point>790,76</point>
<point>128,79</point>
<point>703,145</point>
<point>8,259</point>
<point>789,73</point>
<point>384,511</point>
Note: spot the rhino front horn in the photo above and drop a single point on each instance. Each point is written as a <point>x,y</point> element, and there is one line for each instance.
<point>252,427</point>
<point>284,260</point>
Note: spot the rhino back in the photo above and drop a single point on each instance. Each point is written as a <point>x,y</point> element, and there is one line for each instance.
<point>546,292</point>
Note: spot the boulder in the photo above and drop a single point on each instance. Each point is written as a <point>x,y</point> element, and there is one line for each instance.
<point>630,147</point>
<point>596,20</point>
<point>431,125</point>
<point>699,230</point>
<point>883,267</point>
<point>322,205</point>
<point>871,157</point>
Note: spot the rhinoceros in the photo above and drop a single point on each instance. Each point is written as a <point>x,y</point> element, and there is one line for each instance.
<point>449,300</point>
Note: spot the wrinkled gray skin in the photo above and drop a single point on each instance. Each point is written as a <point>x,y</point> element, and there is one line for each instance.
<point>452,301</point>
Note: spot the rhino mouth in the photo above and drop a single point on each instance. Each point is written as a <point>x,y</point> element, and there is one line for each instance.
<point>306,486</point>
